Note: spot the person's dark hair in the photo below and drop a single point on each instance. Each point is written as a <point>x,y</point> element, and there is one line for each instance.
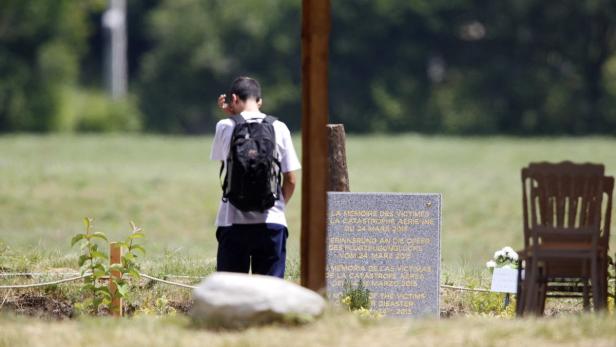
<point>245,88</point>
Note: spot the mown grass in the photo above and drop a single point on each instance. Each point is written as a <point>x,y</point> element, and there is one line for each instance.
<point>168,186</point>
<point>334,329</point>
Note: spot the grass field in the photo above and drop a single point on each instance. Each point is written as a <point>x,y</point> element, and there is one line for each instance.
<point>168,186</point>
<point>335,329</point>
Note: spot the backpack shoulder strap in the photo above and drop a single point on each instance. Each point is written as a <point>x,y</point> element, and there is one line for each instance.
<point>269,119</point>
<point>238,119</point>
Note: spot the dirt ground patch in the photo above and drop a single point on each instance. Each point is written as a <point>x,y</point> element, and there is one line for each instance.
<point>39,306</point>
<point>45,307</point>
<point>181,306</point>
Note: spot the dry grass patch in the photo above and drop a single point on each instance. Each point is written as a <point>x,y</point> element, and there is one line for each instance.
<point>334,329</point>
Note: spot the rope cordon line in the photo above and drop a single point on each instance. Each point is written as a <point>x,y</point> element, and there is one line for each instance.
<point>65,280</point>
<point>34,274</point>
<point>447,286</point>
<point>167,282</point>
<point>156,279</point>
<point>44,284</point>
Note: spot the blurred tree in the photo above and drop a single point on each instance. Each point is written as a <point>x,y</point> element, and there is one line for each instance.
<point>40,46</point>
<point>474,66</point>
<point>448,66</point>
<point>453,66</point>
<point>202,45</point>
<point>386,56</point>
<point>533,67</point>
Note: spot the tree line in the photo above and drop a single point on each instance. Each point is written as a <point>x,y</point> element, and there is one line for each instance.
<point>527,67</point>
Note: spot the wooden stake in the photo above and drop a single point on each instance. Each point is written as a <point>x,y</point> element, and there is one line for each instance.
<point>338,172</point>
<point>316,23</point>
<point>115,257</point>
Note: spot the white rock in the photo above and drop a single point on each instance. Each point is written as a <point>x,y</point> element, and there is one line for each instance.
<point>238,300</point>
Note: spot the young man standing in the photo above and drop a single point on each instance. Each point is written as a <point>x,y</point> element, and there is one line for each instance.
<point>253,240</point>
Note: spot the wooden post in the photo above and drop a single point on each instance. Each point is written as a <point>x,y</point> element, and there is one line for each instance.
<point>316,25</point>
<point>115,257</point>
<point>338,172</point>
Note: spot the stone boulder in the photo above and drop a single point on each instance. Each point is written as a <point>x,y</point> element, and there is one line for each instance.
<point>234,300</point>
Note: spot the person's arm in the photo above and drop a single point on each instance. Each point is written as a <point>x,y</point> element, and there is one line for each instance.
<point>220,144</point>
<point>288,185</point>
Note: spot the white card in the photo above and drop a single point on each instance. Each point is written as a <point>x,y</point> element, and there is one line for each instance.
<point>505,280</point>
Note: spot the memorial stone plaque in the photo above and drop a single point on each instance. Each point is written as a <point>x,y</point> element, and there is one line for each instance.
<point>392,243</point>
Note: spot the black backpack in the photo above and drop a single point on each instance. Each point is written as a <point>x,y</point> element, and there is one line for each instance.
<point>253,178</point>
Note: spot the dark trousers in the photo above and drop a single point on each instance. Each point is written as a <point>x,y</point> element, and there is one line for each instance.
<point>264,244</point>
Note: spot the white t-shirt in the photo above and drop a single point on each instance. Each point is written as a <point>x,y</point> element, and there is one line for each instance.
<point>227,213</point>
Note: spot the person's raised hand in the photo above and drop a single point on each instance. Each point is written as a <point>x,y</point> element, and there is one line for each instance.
<point>222,104</point>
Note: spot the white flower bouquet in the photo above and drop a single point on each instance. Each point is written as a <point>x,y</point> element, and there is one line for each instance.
<point>503,258</point>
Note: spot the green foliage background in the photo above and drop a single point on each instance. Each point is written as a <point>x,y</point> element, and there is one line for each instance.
<point>432,66</point>
<point>40,44</point>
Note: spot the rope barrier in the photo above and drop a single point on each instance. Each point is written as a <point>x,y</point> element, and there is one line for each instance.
<point>30,274</point>
<point>167,282</point>
<point>21,286</point>
<point>446,286</point>
<point>34,285</point>
<point>44,284</point>
<point>33,274</point>
<point>186,276</point>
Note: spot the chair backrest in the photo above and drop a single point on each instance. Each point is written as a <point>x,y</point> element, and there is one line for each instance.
<point>608,192</point>
<point>563,202</point>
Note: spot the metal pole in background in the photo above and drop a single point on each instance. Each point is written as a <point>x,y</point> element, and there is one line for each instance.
<point>316,26</point>
<point>114,27</point>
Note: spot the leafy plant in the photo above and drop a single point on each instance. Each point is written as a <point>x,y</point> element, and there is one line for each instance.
<point>486,303</point>
<point>355,297</point>
<point>162,306</point>
<point>490,304</point>
<point>128,266</point>
<point>94,263</point>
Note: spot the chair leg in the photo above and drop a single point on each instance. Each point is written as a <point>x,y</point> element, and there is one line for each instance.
<point>585,296</point>
<point>519,301</point>
<point>542,298</point>
<point>530,291</point>
<point>542,287</point>
<point>596,286</point>
<point>520,295</point>
<point>533,287</point>
<point>603,279</point>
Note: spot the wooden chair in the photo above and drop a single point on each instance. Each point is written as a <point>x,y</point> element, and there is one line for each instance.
<point>565,242</point>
